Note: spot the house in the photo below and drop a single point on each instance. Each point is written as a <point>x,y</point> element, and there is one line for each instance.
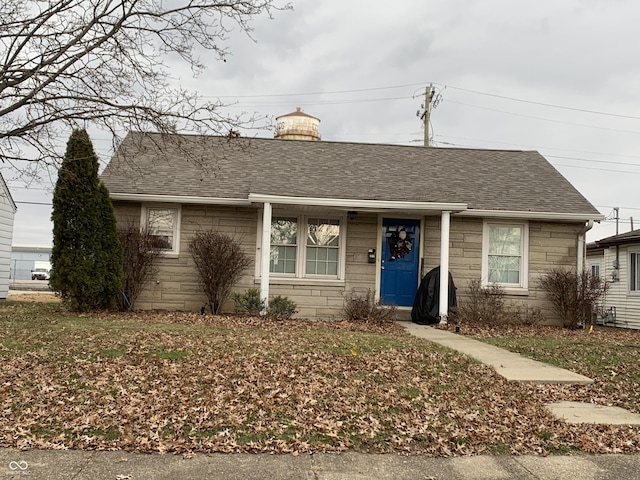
<point>321,219</point>
<point>616,260</point>
<point>7,213</point>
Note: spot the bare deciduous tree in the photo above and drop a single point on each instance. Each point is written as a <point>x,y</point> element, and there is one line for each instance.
<point>100,62</point>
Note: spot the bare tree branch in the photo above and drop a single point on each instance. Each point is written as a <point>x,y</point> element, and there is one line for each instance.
<point>100,62</point>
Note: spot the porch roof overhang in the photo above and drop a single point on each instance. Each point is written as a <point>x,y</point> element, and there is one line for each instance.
<point>357,204</point>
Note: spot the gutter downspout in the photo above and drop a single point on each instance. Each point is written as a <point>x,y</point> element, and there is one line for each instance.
<point>581,255</point>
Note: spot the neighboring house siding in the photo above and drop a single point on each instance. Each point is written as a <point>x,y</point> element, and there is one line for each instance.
<point>6,234</point>
<point>627,304</point>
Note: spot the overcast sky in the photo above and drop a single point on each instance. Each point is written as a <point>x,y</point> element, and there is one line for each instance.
<point>557,76</point>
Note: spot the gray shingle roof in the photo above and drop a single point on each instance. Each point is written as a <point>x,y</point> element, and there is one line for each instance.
<point>623,238</point>
<point>207,166</point>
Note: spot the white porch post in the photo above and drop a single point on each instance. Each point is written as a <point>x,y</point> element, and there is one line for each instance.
<point>444,266</point>
<point>265,251</point>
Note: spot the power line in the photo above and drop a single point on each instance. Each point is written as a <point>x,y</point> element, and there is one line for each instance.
<point>552,105</point>
<point>316,93</point>
<point>593,168</point>
<point>537,147</point>
<point>594,161</point>
<point>317,103</point>
<point>542,118</point>
<point>606,162</point>
<point>609,206</point>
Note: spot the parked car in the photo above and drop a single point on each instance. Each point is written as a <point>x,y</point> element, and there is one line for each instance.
<point>39,274</point>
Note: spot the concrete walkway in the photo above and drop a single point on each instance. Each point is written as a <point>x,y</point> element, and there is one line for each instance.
<point>515,367</point>
<point>511,366</point>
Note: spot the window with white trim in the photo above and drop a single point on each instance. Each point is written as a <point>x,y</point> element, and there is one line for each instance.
<point>505,254</point>
<point>163,224</point>
<point>284,245</point>
<point>634,272</point>
<point>595,269</point>
<point>306,247</point>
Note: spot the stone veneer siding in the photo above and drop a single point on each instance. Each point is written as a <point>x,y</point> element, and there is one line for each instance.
<point>176,285</point>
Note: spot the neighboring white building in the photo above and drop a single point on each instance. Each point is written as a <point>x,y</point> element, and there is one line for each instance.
<point>7,214</point>
<point>616,260</point>
<point>24,259</point>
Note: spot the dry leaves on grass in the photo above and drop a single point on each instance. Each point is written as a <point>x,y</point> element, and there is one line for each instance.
<point>184,383</point>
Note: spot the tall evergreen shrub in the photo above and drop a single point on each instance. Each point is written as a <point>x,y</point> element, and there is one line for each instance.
<point>86,256</point>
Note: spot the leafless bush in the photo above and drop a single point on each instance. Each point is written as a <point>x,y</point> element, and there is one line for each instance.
<point>487,306</point>
<point>220,261</point>
<point>139,263</point>
<point>359,308</point>
<point>573,295</point>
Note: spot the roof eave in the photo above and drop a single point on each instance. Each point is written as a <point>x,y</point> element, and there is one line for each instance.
<point>185,199</point>
<point>527,215</point>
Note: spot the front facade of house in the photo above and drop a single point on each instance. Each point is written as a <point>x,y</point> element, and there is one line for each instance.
<point>322,219</point>
<point>616,260</point>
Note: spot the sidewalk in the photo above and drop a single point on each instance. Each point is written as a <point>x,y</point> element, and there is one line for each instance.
<point>82,465</point>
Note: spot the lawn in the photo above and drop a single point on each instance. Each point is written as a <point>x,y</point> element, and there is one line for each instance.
<point>181,382</point>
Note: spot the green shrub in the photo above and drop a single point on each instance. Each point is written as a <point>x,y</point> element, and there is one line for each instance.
<point>249,302</point>
<point>364,308</point>
<point>281,308</point>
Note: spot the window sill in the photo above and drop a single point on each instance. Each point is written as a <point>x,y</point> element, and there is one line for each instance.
<point>521,292</point>
<point>325,282</point>
<point>169,255</point>
<point>512,291</point>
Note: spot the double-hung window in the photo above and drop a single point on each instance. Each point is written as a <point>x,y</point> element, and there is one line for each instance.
<point>306,247</point>
<point>163,223</point>
<point>634,272</point>
<point>284,245</point>
<point>323,246</point>
<point>505,254</point>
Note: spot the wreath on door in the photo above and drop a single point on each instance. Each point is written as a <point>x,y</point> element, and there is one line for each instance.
<point>399,244</point>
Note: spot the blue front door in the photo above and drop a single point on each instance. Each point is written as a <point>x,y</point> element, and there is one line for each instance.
<point>400,261</point>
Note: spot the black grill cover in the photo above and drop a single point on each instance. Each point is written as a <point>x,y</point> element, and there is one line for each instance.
<point>426,304</point>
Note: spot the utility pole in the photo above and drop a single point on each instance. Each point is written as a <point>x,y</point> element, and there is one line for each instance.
<point>428,96</point>
<point>617,210</point>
